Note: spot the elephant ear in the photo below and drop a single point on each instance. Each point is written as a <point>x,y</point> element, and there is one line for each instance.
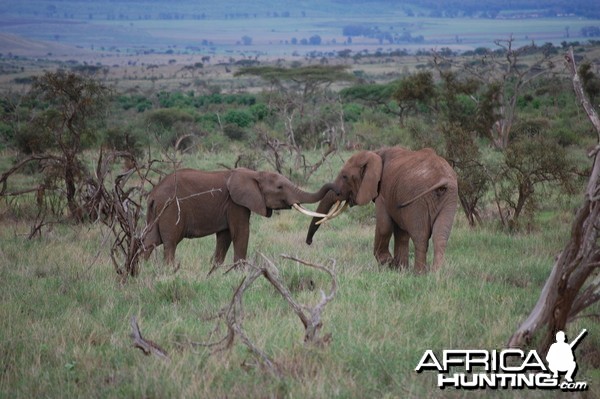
<point>244,190</point>
<point>371,166</point>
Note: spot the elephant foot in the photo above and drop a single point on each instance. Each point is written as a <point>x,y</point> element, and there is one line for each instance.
<point>421,269</point>
<point>176,267</point>
<point>239,265</point>
<point>435,269</point>
<point>384,259</point>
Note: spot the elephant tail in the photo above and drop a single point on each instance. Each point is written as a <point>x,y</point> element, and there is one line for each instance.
<point>442,185</point>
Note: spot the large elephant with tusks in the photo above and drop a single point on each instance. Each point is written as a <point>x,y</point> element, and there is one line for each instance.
<point>415,195</point>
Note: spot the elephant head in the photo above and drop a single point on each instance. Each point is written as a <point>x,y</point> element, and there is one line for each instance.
<point>357,183</point>
<point>263,192</point>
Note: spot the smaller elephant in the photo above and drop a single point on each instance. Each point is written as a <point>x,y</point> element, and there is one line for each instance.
<point>191,203</point>
<point>415,195</point>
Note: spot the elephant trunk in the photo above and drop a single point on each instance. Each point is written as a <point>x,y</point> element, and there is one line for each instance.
<point>325,205</point>
<point>305,197</point>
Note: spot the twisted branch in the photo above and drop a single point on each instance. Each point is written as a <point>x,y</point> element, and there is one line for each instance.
<point>310,317</point>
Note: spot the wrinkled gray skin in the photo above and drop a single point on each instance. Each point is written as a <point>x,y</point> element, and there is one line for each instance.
<point>415,195</point>
<point>216,203</point>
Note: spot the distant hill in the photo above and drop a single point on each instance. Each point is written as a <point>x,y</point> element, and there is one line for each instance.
<point>498,8</point>
<point>19,46</point>
<point>314,28</point>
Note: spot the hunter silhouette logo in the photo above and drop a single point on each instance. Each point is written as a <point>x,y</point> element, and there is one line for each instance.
<point>560,355</point>
<point>507,368</point>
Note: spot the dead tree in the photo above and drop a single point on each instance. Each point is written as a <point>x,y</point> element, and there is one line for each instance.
<point>573,284</point>
<point>118,204</point>
<point>233,314</point>
<point>120,209</point>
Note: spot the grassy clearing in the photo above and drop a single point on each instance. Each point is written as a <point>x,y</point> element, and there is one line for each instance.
<point>64,319</point>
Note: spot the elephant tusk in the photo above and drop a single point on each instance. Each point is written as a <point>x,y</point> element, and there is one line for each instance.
<point>337,210</point>
<point>307,212</point>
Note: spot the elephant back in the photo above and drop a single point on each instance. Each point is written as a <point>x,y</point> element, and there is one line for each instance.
<point>408,175</point>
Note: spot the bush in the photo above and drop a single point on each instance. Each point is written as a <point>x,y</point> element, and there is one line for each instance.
<point>564,136</point>
<point>166,118</point>
<point>215,142</point>
<point>259,111</point>
<point>139,102</point>
<point>234,132</point>
<point>352,112</point>
<point>125,139</point>
<point>529,163</point>
<point>36,136</point>
<point>241,118</point>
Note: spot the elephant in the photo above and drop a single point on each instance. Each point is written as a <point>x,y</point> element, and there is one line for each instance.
<point>415,195</point>
<point>191,203</point>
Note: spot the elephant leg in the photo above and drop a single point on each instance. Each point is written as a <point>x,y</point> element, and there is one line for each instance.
<point>384,228</point>
<point>421,245</point>
<point>240,246</point>
<point>222,246</point>
<point>439,248</point>
<point>440,236</point>
<point>401,240</point>
<point>239,228</point>
<point>169,252</point>
<point>147,251</point>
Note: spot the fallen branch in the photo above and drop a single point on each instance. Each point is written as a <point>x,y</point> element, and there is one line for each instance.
<point>312,321</point>
<point>147,346</point>
<point>310,317</point>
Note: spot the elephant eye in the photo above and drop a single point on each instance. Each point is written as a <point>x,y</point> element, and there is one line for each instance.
<point>280,187</point>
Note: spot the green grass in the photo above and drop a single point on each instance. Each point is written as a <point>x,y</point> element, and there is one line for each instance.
<point>64,315</point>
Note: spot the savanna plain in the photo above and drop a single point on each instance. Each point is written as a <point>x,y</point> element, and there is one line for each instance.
<point>65,314</point>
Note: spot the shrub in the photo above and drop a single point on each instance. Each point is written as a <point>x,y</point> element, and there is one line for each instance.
<point>259,111</point>
<point>125,138</point>
<point>234,132</point>
<point>239,117</point>
<point>166,118</point>
<point>352,112</point>
<point>530,162</point>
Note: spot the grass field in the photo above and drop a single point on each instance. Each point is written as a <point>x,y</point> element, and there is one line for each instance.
<point>64,319</point>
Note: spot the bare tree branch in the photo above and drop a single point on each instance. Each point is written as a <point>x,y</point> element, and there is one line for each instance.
<point>146,346</point>
<point>310,317</point>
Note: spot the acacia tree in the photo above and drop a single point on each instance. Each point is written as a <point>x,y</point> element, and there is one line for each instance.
<point>480,99</point>
<point>505,72</point>
<point>300,97</point>
<point>64,104</point>
<point>527,163</point>
<point>399,97</point>
<point>414,90</point>
<point>298,93</point>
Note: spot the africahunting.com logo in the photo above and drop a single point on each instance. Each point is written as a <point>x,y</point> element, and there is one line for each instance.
<point>507,368</point>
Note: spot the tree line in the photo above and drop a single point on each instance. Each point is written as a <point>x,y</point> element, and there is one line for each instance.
<point>505,119</point>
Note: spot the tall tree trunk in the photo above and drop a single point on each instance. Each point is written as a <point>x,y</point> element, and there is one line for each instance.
<point>562,297</point>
